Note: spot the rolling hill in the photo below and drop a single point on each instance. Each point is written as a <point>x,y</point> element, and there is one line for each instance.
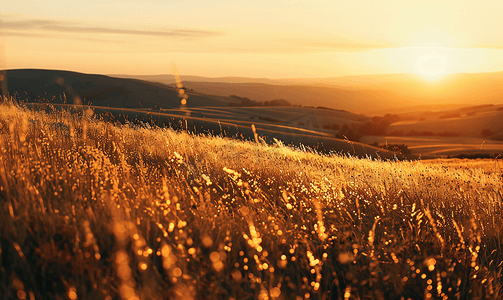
<point>370,94</point>
<point>427,133</point>
<point>135,100</point>
<point>32,85</point>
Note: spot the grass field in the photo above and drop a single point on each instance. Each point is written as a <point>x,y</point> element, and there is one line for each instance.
<point>436,147</point>
<point>94,210</point>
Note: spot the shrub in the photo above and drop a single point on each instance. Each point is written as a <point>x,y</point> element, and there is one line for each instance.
<point>486,132</point>
<point>350,132</point>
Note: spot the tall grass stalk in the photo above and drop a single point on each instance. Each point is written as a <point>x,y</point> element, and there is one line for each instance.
<point>94,210</point>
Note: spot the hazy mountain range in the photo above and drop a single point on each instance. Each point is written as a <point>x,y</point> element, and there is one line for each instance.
<point>374,94</point>
<point>351,103</point>
<point>370,94</point>
<point>31,85</point>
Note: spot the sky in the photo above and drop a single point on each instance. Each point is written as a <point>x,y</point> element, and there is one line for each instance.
<point>272,39</point>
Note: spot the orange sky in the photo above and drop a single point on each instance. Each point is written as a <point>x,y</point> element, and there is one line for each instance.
<point>254,38</point>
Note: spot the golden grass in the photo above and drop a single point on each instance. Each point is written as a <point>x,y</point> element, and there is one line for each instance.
<point>94,210</point>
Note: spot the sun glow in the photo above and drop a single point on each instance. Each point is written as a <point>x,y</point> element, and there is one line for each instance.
<point>432,65</point>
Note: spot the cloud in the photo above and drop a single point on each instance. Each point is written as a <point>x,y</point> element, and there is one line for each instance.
<point>21,34</point>
<point>327,46</point>
<point>490,46</point>
<point>28,24</point>
<point>272,41</point>
<point>54,26</point>
<point>295,46</point>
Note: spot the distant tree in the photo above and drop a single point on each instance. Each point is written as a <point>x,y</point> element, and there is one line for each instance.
<point>373,128</point>
<point>245,101</point>
<point>331,126</point>
<point>378,125</point>
<point>450,115</point>
<point>397,133</point>
<point>349,132</point>
<point>397,148</point>
<point>277,102</point>
<point>486,132</point>
<point>414,132</point>
<point>448,133</point>
<point>248,102</point>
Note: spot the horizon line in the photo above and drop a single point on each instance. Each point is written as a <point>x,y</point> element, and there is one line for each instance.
<point>234,76</point>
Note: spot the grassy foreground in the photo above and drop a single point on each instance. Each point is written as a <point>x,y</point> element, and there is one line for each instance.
<point>93,210</point>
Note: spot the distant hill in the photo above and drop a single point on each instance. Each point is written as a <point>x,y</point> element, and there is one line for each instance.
<point>371,94</point>
<point>357,101</point>
<point>33,85</point>
<point>169,78</point>
<point>320,93</point>
<point>483,121</point>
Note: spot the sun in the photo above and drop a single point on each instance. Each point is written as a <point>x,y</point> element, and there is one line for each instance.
<point>432,66</point>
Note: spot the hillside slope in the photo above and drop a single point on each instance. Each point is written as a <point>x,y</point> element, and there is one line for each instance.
<point>93,210</point>
<point>357,101</point>
<point>383,93</point>
<point>49,85</point>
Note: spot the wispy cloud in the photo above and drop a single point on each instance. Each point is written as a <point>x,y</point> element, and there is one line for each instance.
<point>26,24</point>
<point>269,42</point>
<point>55,26</point>
<point>322,46</point>
<point>490,46</point>
<point>21,34</point>
<point>298,46</point>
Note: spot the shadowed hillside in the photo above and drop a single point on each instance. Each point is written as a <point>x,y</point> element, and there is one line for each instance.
<point>470,130</point>
<point>358,101</point>
<point>51,85</point>
<point>383,93</point>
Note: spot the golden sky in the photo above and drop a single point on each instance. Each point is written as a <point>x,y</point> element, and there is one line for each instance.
<point>274,39</point>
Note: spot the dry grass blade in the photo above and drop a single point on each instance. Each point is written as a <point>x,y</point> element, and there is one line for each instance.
<point>103,211</point>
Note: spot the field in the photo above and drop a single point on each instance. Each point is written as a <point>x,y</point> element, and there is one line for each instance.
<point>437,147</point>
<point>96,210</point>
<point>369,94</point>
<point>454,129</point>
<point>270,123</point>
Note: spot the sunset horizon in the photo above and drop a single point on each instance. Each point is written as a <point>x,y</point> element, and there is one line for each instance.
<point>283,39</point>
<point>429,66</point>
<point>238,150</point>
<point>418,75</point>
